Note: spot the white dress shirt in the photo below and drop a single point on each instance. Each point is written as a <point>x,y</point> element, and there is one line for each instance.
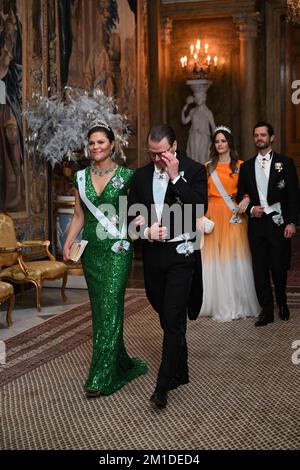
<point>159,187</point>
<point>265,163</point>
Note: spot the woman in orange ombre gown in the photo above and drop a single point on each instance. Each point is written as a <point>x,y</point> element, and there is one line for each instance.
<point>228,284</point>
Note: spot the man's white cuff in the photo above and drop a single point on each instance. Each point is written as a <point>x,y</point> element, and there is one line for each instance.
<point>175,180</point>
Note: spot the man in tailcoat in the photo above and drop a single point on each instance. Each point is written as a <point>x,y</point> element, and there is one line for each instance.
<point>270,180</point>
<point>172,262</point>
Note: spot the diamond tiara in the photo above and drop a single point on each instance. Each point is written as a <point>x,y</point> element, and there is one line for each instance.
<point>99,123</point>
<point>222,128</point>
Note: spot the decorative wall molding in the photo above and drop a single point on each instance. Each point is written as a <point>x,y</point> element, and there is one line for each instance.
<point>248,24</point>
<point>274,11</point>
<point>206,8</point>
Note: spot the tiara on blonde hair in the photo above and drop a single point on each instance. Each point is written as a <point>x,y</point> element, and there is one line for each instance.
<point>222,128</point>
<point>99,123</point>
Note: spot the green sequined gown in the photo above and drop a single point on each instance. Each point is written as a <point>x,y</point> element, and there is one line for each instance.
<point>106,274</point>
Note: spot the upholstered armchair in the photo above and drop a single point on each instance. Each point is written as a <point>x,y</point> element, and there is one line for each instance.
<point>7,294</point>
<point>13,268</point>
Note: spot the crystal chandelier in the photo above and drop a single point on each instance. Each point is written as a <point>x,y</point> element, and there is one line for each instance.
<point>199,64</point>
<point>293,15</point>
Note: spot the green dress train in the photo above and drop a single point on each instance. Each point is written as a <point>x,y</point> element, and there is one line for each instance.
<point>106,274</point>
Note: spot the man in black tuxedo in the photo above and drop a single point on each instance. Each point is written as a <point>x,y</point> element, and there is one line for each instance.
<point>172,270</point>
<point>270,180</point>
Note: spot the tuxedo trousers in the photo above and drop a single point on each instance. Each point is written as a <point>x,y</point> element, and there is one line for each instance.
<point>271,253</point>
<point>168,277</point>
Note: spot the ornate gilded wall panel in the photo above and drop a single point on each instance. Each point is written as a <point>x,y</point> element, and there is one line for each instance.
<point>78,43</point>
<point>13,164</point>
<point>40,76</point>
<point>104,54</point>
<point>34,82</point>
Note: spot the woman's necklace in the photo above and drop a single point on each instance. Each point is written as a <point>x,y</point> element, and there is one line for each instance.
<point>98,172</point>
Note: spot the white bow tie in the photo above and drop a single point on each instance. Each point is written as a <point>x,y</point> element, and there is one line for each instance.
<point>161,175</point>
<point>262,158</point>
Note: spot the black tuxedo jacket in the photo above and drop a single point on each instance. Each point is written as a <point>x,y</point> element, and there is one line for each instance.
<point>190,189</point>
<point>282,187</point>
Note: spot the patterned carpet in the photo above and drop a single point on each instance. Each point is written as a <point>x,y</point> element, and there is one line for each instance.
<point>294,272</point>
<point>56,336</point>
<point>244,391</point>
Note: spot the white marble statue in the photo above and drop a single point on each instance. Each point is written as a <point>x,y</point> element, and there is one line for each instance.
<point>202,126</point>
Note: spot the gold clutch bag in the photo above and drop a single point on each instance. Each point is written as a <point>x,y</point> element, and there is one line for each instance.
<point>77,249</point>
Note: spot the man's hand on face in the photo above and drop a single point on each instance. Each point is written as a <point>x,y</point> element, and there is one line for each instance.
<point>171,163</point>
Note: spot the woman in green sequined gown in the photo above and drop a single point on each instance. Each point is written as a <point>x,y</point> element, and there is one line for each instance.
<point>106,271</point>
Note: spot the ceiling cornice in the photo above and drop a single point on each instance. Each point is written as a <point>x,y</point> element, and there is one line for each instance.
<point>207,9</point>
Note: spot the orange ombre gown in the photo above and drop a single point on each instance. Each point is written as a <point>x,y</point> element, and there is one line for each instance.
<point>228,285</point>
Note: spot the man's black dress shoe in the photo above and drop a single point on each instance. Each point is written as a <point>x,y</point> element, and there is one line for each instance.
<point>264,318</point>
<point>159,398</point>
<point>284,313</point>
<point>176,382</point>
